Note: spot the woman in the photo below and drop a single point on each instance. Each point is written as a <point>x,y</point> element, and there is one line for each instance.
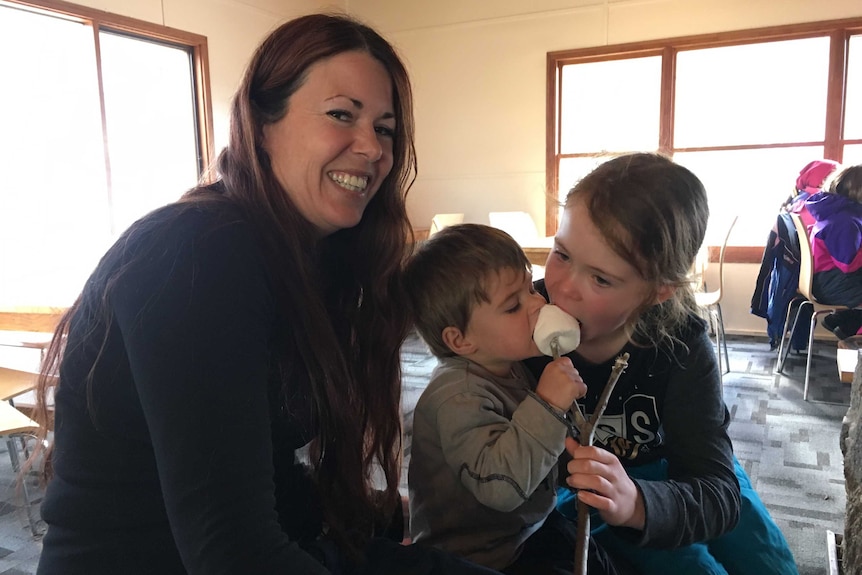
<point>259,314</point>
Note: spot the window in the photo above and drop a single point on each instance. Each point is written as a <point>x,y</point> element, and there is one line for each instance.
<point>853,98</point>
<point>744,110</point>
<point>102,119</point>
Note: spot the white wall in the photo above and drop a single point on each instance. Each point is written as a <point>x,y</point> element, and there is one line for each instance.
<point>479,73</point>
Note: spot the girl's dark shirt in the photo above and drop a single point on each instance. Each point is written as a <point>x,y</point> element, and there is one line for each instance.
<point>181,459</point>
<point>668,405</point>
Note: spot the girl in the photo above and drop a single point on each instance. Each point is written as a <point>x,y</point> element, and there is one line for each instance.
<point>661,475</point>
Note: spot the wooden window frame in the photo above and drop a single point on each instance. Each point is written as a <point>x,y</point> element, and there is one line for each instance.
<point>42,319</point>
<point>839,32</point>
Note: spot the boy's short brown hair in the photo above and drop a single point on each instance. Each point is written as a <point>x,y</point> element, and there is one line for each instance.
<point>448,276</point>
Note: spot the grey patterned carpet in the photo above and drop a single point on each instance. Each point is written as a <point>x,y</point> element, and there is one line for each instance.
<point>789,448</point>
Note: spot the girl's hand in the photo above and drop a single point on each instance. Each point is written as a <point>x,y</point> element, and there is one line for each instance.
<point>561,384</point>
<point>604,485</point>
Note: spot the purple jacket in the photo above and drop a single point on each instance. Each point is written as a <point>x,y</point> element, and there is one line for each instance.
<point>836,235</point>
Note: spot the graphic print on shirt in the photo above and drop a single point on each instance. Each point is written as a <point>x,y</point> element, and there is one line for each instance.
<point>634,431</point>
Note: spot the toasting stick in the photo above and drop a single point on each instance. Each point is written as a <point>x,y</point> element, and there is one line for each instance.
<point>557,332</point>
<point>586,432</point>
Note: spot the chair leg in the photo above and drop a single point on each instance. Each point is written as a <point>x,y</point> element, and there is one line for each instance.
<point>16,467</point>
<point>784,335</point>
<point>810,351</point>
<point>717,347</point>
<point>723,340</point>
<point>717,328</point>
<point>784,350</point>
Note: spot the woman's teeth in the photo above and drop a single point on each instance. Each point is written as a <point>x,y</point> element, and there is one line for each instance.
<point>348,182</point>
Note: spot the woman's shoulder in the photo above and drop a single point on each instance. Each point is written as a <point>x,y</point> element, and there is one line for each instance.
<point>183,226</point>
<point>189,218</point>
<point>191,236</point>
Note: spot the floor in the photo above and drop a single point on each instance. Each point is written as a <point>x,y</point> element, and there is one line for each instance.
<point>788,446</point>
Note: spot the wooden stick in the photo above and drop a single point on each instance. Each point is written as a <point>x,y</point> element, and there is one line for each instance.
<point>586,433</point>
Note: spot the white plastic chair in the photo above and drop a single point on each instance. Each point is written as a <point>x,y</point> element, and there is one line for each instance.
<point>440,221</point>
<point>519,225</point>
<point>711,302</point>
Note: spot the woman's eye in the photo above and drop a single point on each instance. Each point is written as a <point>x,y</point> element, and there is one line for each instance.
<point>561,256</point>
<point>342,115</point>
<point>385,131</point>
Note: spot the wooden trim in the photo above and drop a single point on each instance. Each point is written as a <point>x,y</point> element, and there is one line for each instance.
<point>713,40</point>
<point>732,255</point>
<point>35,319</point>
<point>552,129</point>
<point>737,254</point>
<point>203,93</point>
<point>112,21</point>
<point>835,93</point>
<point>666,105</point>
<point>106,150</point>
<point>537,256</point>
<point>729,148</point>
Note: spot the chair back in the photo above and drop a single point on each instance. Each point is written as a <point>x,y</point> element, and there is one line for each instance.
<point>440,221</point>
<point>519,225</point>
<point>721,255</point>
<point>806,259</point>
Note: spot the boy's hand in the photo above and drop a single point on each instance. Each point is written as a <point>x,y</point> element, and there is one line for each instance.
<point>603,483</point>
<point>561,384</point>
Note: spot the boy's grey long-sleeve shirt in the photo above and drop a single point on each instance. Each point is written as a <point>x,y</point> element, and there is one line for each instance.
<point>483,462</point>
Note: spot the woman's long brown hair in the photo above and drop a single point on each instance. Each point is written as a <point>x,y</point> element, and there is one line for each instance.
<point>343,294</point>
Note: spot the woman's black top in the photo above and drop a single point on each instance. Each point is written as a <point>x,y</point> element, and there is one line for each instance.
<point>180,456</point>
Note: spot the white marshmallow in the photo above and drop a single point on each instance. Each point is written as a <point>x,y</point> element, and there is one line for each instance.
<point>554,323</point>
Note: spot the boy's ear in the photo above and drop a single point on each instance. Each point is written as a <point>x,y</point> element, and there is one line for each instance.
<point>456,341</point>
<point>664,293</point>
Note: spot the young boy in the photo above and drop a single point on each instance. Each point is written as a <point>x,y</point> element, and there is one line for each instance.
<point>486,436</point>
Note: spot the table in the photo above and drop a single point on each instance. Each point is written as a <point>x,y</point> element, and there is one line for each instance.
<point>20,361</point>
<point>538,250</point>
<point>847,356</point>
